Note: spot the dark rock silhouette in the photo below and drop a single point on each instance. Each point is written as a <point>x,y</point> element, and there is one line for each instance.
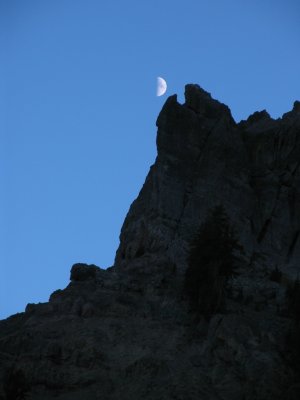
<point>129,332</point>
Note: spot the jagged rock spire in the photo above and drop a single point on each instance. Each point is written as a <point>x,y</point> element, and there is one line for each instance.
<point>204,159</point>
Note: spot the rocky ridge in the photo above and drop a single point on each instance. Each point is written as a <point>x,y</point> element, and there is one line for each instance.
<point>128,332</point>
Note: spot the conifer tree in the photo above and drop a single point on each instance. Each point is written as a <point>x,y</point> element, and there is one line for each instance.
<point>210,262</point>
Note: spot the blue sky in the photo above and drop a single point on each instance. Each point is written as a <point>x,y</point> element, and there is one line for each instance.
<point>78,111</point>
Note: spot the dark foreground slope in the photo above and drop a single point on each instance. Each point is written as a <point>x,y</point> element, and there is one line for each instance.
<point>129,332</point>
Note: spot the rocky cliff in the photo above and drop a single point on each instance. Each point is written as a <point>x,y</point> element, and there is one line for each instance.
<point>129,332</point>
<point>205,159</point>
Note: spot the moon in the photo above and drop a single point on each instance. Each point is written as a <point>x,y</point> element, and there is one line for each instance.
<point>161,86</point>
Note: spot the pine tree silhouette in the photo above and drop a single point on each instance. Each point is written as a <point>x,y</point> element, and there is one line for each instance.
<point>210,262</point>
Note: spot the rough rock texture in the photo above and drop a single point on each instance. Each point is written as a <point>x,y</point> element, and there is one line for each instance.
<point>128,332</point>
<point>205,159</point>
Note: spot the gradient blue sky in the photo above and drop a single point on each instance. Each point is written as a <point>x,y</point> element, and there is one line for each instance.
<point>78,111</point>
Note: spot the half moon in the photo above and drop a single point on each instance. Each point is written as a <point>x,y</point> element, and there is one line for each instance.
<point>161,86</point>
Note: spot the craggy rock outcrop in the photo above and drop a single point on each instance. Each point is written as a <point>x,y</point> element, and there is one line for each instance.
<point>205,159</point>
<point>128,332</point>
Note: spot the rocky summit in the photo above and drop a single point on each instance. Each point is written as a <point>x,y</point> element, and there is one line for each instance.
<point>203,300</point>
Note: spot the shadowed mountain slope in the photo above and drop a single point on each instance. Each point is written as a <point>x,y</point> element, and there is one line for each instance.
<point>219,192</point>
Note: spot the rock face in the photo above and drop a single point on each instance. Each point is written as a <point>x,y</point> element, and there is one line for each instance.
<point>205,159</point>
<point>128,332</point>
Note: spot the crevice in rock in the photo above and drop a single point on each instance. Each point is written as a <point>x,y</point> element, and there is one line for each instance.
<point>267,222</point>
<point>292,201</point>
<point>263,230</point>
<point>140,252</point>
<point>293,245</point>
<point>295,169</point>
